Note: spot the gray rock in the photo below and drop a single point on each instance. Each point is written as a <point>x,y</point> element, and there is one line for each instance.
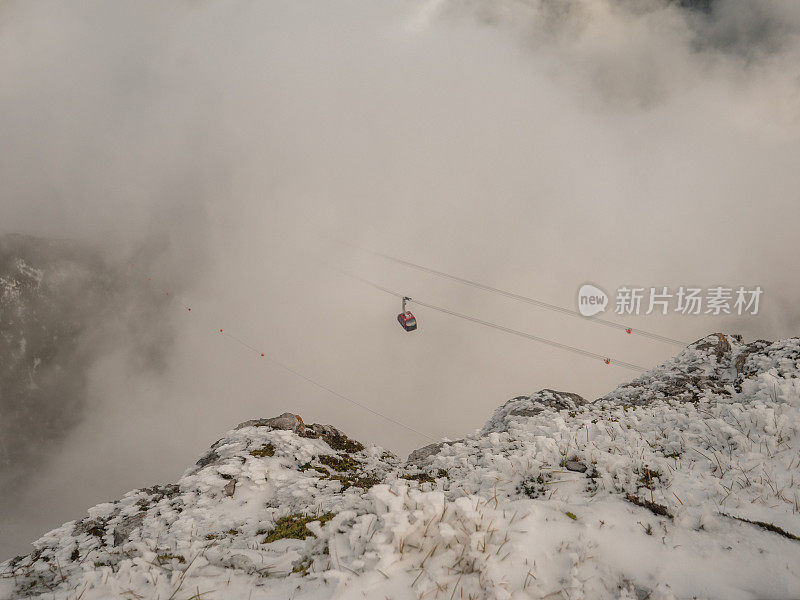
<point>574,465</point>
<point>211,457</point>
<point>230,487</point>
<point>126,526</point>
<point>287,421</point>
<point>157,492</point>
<point>240,561</point>
<point>424,454</point>
<point>717,342</point>
<point>317,430</point>
<point>292,422</point>
<point>95,527</point>
<point>530,406</point>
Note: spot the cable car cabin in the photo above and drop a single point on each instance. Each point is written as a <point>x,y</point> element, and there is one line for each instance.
<point>407,321</point>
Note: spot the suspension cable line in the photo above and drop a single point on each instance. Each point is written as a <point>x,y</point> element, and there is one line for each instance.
<point>567,347</point>
<point>327,389</point>
<point>519,297</point>
<point>299,374</point>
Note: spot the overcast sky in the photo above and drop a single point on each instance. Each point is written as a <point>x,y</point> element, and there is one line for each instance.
<point>532,146</point>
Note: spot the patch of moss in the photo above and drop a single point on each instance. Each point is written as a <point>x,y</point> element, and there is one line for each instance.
<point>420,477</point>
<point>571,515</point>
<point>344,469</point>
<point>75,555</point>
<point>308,466</point>
<point>363,481</point>
<point>534,488</point>
<point>264,451</point>
<point>343,443</point>
<point>344,463</point>
<point>294,527</point>
<point>166,556</point>
<point>302,567</point>
<point>442,473</point>
<point>647,477</point>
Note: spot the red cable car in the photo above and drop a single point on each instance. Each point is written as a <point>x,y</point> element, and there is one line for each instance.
<point>406,319</point>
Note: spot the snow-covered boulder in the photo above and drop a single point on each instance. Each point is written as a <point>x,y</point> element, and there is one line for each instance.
<point>529,406</point>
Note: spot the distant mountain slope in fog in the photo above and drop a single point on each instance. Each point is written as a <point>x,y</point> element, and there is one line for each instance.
<point>61,306</point>
<point>50,291</point>
<point>679,484</point>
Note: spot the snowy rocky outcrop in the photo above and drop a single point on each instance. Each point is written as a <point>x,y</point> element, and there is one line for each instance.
<point>684,483</point>
<point>530,406</point>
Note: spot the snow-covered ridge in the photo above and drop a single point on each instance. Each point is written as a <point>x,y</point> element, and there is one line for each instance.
<point>682,483</point>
